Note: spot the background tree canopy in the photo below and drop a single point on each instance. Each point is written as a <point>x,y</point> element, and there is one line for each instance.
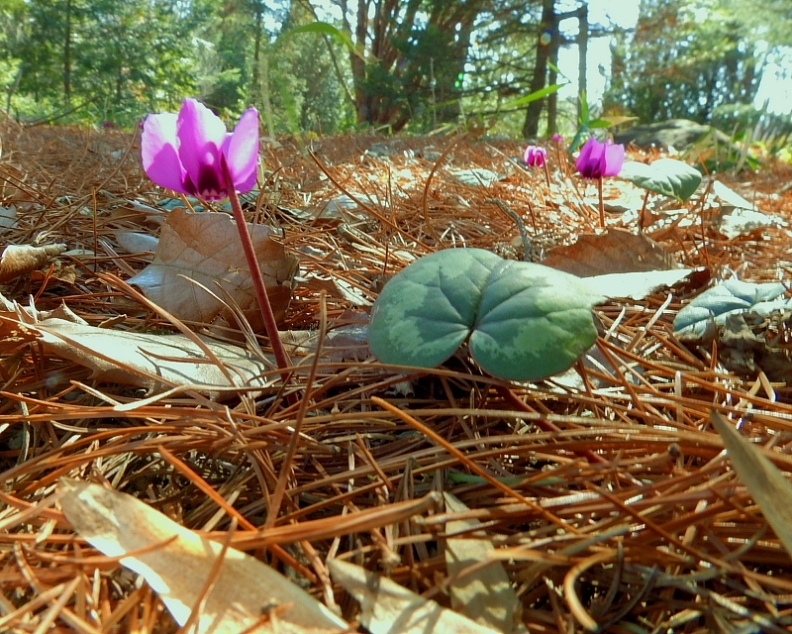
<point>391,65</point>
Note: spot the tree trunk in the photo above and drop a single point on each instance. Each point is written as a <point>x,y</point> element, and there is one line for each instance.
<point>583,33</point>
<point>67,60</point>
<point>448,89</point>
<point>358,65</point>
<point>397,79</point>
<point>539,81</point>
<point>256,74</point>
<point>552,100</point>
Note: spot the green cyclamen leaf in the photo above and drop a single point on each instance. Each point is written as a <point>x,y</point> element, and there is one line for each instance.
<point>523,321</point>
<point>727,298</point>
<point>665,176</point>
<point>425,312</point>
<point>533,322</point>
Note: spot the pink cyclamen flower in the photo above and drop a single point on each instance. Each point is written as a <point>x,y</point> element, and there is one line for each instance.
<point>558,138</point>
<point>183,151</point>
<point>600,159</point>
<point>535,156</point>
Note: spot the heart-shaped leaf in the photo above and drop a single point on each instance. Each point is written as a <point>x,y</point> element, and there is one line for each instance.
<point>523,321</point>
<point>667,176</point>
<point>724,299</point>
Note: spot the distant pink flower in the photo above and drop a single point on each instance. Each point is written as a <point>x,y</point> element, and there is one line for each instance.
<point>558,138</point>
<point>600,159</point>
<point>535,156</point>
<point>184,152</point>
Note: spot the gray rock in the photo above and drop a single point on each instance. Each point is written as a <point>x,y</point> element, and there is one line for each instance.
<point>676,133</point>
<point>477,177</point>
<point>381,150</point>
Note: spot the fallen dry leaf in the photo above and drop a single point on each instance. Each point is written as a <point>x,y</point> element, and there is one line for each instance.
<point>764,481</point>
<point>136,242</point>
<point>205,247</point>
<point>480,587</point>
<point>617,251</point>
<point>155,362</point>
<point>348,342</point>
<point>20,260</point>
<point>729,196</point>
<point>8,217</point>
<point>13,335</point>
<point>59,272</point>
<point>176,563</point>
<point>635,285</point>
<point>335,287</point>
<point>388,608</point>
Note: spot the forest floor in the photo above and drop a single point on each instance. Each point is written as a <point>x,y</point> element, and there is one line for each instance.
<point>598,500</point>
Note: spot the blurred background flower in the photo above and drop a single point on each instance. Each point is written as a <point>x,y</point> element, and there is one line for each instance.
<point>535,156</point>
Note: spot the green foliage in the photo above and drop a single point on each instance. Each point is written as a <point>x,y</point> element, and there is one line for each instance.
<point>501,66</point>
<point>227,34</point>
<point>307,93</point>
<point>747,121</point>
<point>586,123</point>
<point>539,94</point>
<point>667,176</point>
<point>13,38</point>
<point>684,61</point>
<point>522,321</point>
<point>324,28</point>
<point>101,60</point>
<point>422,65</point>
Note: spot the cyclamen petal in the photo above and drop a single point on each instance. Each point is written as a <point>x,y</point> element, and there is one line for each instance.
<point>158,150</point>
<point>241,149</point>
<point>614,159</point>
<point>597,159</point>
<point>184,152</point>
<point>535,156</point>
<point>201,133</point>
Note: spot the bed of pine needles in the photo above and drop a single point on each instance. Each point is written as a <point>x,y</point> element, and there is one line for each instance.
<point>616,507</point>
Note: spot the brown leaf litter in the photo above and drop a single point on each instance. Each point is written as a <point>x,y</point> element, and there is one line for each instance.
<point>608,499</point>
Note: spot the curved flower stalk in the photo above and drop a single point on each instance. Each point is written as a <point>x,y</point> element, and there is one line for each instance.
<point>192,153</point>
<point>183,151</point>
<point>559,143</point>
<point>597,160</point>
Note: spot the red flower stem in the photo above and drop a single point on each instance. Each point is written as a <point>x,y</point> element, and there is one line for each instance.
<point>642,215</point>
<point>265,307</point>
<point>601,203</point>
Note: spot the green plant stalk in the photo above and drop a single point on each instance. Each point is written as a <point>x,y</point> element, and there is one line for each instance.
<point>281,358</point>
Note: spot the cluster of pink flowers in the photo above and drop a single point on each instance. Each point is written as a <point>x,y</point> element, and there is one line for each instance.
<point>596,159</point>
